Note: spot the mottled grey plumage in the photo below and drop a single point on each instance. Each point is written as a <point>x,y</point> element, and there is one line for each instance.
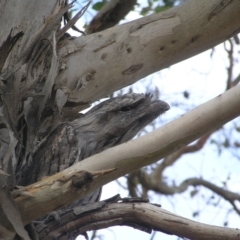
<point>108,124</point>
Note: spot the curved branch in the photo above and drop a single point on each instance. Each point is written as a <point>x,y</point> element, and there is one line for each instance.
<point>161,187</point>
<point>143,216</point>
<point>171,159</point>
<point>226,194</point>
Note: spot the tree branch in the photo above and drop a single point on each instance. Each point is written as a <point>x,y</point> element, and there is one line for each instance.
<point>143,216</point>
<point>94,66</point>
<point>171,159</point>
<point>57,190</point>
<point>161,187</point>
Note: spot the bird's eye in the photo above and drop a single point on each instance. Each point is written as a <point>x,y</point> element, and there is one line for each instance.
<point>126,108</point>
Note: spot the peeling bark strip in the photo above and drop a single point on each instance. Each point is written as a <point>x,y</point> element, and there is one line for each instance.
<point>132,69</point>
<point>7,46</point>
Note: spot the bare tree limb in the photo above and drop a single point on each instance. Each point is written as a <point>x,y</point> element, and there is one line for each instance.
<point>142,216</point>
<point>163,188</point>
<point>93,66</point>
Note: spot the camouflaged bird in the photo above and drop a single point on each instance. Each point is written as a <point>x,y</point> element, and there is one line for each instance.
<point>108,124</point>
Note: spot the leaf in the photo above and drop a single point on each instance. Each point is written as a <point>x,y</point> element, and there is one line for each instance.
<point>160,9</point>
<point>168,3</point>
<point>97,6</point>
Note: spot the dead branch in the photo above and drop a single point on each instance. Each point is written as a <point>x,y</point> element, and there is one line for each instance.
<point>161,187</point>
<point>142,216</point>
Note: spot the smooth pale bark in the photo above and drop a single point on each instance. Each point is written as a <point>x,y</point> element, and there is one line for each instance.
<point>98,64</point>
<point>55,191</point>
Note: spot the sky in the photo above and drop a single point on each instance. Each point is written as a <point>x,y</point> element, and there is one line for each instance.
<point>204,77</point>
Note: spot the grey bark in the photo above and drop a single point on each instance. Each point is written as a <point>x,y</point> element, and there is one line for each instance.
<point>147,217</point>
<point>108,124</point>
